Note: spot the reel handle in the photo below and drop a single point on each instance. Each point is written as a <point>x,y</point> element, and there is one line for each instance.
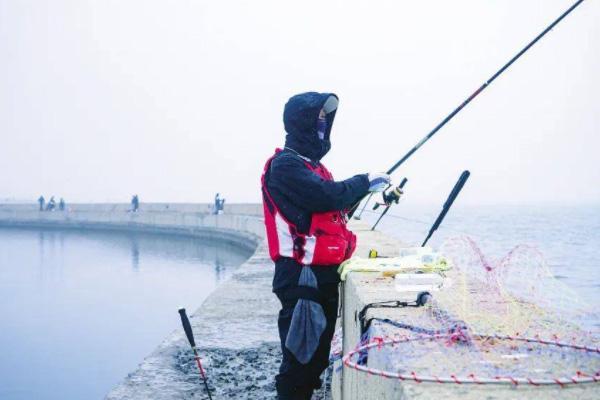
<point>393,196</point>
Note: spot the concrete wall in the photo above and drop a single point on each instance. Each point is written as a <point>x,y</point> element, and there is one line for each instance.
<point>202,208</point>
<point>356,292</point>
<point>240,224</point>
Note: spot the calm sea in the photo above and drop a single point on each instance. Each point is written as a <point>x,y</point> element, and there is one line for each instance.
<point>79,310</point>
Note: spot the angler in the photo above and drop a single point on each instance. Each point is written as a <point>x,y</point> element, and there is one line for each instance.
<point>305,218</point>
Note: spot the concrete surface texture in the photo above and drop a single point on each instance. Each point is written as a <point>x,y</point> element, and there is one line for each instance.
<point>236,333</point>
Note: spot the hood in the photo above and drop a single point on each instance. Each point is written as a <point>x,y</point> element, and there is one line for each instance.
<point>300,120</point>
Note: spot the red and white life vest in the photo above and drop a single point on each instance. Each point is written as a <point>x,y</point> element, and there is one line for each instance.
<point>328,242</point>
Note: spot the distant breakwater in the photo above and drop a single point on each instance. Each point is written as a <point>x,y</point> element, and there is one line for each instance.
<point>240,224</point>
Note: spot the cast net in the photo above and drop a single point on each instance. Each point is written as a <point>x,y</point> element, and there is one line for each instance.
<point>508,321</point>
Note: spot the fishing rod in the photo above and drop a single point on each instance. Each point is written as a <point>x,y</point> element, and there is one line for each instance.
<point>389,199</point>
<point>453,194</point>
<point>187,327</point>
<point>464,103</point>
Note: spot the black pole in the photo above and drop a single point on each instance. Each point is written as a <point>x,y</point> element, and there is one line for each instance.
<point>388,206</point>
<point>455,191</point>
<point>380,217</point>
<point>187,327</point>
<point>472,96</point>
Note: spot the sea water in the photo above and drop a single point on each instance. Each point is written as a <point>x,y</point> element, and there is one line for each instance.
<point>568,236</point>
<point>79,310</point>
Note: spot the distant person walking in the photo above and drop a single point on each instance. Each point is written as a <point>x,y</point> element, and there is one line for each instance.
<point>61,204</point>
<point>42,202</point>
<point>135,203</point>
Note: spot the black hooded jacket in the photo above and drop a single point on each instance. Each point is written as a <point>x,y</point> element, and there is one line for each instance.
<point>299,192</point>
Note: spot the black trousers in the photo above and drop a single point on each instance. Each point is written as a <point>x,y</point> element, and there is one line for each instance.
<point>294,377</point>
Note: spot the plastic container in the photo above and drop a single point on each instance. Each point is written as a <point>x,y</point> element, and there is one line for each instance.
<point>418,283</point>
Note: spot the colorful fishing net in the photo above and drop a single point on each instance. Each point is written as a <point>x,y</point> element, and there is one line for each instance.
<point>494,322</point>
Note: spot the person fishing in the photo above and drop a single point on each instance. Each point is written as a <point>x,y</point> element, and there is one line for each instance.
<point>135,203</point>
<point>51,204</point>
<point>217,204</point>
<point>305,218</point>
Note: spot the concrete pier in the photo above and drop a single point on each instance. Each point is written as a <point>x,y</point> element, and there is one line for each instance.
<point>241,224</point>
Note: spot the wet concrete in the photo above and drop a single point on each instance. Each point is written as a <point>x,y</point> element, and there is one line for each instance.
<point>236,333</point>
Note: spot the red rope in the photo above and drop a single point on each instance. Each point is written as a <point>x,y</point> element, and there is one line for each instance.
<point>472,376</point>
<point>531,382</point>
<point>561,384</point>
<point>415,377</point>
<point>379,342</point>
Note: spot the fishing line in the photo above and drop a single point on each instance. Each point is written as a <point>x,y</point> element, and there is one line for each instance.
<point>467,101</point>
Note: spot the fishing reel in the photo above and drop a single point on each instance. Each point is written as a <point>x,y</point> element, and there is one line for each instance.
<point>391,195</point>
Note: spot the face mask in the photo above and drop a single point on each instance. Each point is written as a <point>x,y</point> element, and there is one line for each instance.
<point>321,128</point>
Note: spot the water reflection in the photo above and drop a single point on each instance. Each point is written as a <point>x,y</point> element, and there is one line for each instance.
<point>173,247</point>
<point>135,254</point>
<point>96,303</point>
<point>41,241</point>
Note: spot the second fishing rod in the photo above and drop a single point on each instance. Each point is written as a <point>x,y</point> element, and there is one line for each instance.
<point>464,103</point>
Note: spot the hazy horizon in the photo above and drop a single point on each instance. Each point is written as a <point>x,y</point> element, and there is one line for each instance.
<point>178,100</point>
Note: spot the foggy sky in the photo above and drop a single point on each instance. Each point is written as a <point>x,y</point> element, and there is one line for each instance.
<point>176,100</point>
